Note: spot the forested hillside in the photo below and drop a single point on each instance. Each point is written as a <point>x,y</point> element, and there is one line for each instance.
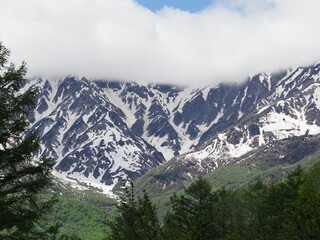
<point>289,209</point>
<point>270,163</point>
<point>79,214</point>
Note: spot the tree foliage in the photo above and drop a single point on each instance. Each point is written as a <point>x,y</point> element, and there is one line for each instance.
<point>289,209</point>
<point>191,215</point>
<point>137,220</point>
<point>22,177</point>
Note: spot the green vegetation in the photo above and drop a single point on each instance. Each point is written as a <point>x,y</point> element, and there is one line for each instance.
<point>138,219</point>
<point>21,180</point>
<point>78,218</point>
<point>160,192</point>
<point>191,214</point>
<point>233,175</point>
<point>240,174</point>
<point>289,209</point>
<point>31,205</point>
<point>80,213</point>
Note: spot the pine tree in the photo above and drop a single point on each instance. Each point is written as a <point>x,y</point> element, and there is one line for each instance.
<point>22,177</point>
<point>229,214</point>
<point>273,205</point>
<point>303,212</point>
<point>137,220</point>
<point>191,215</point>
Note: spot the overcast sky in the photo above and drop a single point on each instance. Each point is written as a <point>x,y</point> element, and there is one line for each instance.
<point>122,40</point>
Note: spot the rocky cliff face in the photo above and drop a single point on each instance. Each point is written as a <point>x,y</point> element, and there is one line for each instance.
<point>104,131</point>
<point>273,107</point>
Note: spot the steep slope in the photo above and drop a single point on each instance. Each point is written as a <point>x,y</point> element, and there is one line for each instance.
<point>79,213</point>
<point>268,163</point>
<point>278,107</point>
<point>104,131</point>
<point>88,135</point>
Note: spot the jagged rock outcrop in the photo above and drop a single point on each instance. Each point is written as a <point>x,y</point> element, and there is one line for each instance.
<point>103,131</point>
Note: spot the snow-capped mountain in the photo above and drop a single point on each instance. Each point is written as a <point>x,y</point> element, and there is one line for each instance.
<point>103,131</point>
<point>277,107</point>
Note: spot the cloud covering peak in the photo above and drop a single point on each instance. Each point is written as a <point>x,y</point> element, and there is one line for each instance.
<point>121,40</point>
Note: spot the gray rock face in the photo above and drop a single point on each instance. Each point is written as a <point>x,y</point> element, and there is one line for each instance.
<point>88,135</point>
<point>104,131</point>
<point>266,109</point>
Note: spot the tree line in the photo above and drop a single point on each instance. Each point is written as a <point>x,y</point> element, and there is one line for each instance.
<point>289,209</point>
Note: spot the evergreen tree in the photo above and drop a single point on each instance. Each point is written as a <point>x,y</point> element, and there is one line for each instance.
<point>279,200</point>
<point>229,214</point>
<point>137,220</point>
<point>289,209</point>
<point>22,177</point>
<point>253,197</point>
<point>303,212</point>
<point>191,215</point>
<point>271,205</point>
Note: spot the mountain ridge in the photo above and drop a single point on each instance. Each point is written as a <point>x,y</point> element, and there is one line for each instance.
<point>104,131</point>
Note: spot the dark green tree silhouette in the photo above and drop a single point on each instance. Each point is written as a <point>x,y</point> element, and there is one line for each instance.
<point>22,176</point>
<point>137,218</point>
<point>191,214</point>
<point>303,212</point>
<point>229,214</point>
<point>269,206</point>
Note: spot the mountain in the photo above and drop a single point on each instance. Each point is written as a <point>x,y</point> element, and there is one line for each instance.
<point>272,107</point>
<point>88,135</point>
<point>103,131</point>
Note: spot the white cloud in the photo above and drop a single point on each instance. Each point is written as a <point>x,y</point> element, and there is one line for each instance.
<point>119,39</point>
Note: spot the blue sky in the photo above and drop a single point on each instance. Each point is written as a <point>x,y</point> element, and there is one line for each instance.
<point>187,5</point>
